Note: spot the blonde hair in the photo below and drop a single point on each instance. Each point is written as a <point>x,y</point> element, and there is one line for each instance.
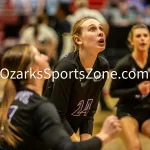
<point>130,35</point>
<point>18,58</point>
<point>77,29</point>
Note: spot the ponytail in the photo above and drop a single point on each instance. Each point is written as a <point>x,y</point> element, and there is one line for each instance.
<point>18,58</point>
<point>5,126</point>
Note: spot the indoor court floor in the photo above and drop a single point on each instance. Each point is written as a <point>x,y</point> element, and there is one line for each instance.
<point>115,144</point>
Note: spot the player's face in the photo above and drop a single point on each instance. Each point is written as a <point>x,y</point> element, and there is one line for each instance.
<point>41,61</point>
<point>141,39</point>
<point>92,35</point>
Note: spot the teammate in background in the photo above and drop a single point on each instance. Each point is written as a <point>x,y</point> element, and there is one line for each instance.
<point>133,87</point>
<point>75,95</point>
<point>27,120</point>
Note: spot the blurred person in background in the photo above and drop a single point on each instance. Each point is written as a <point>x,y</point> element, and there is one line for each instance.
<point>51,8</point>
<point>137,5</point>
<point>58,11</point>
<point>146,19</point>
<point>62,27</point>
<point>121,15</point>
<point>132,87</point>
<point>41,36</point>
<point>28,7</point>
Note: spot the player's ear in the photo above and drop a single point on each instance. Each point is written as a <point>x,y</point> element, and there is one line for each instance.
<point>77,40</point>
<point>132,43</point>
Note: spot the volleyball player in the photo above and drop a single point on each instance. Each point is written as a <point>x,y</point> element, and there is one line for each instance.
<point>81,78</point>
<point>27,120</point>
<point>133,87</point>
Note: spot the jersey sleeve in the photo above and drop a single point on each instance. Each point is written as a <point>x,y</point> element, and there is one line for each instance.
<point>60,92</point>
<point>117,88</point>
<point>48,124</point>
<point>52,133</point>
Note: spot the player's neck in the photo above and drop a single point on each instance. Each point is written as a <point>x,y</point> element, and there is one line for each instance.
<point>140,56</point>
<point>36,86</point>
<point>87,60</point>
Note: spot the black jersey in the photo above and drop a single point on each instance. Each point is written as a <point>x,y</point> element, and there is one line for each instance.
<point>125,86</point>
<point>40,127</point>
<point>76,96</point>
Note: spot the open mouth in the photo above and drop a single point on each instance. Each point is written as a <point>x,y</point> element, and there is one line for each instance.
<point>101,41</point>
<point>142,44</point>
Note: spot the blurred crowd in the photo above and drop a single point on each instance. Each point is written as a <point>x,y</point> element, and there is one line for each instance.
<point>47,23</point>
<point>127,12</point>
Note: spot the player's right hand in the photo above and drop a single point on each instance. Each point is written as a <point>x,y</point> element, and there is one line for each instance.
<point>144,87</point>
<point>110,129</point>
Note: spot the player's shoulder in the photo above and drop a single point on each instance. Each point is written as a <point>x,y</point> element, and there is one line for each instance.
<point>124,62</point>
<point>35,98</point>
<point>29,98</point>
<point>125,59</point>
<point>68,62</point>
<point>149,56</point>
<point>102,61</point>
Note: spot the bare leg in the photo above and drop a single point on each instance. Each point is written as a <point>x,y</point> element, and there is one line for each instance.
<point>130,133</point>
<point>146,128</point>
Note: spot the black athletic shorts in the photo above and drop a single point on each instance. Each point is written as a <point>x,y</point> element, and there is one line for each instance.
<point>140,114</point>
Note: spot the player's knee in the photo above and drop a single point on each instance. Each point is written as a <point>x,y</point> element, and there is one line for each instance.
<point>145,128</point>
<point>146,131</point>
<point>136,145</point>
